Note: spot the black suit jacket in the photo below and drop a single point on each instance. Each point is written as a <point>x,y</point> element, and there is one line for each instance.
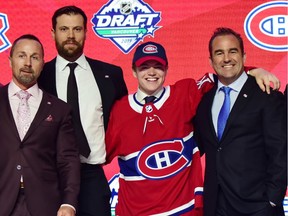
<point>47,158</point>
<point>109,79</point>
<point>250,161</point>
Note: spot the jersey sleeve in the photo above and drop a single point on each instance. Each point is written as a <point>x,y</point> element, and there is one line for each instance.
<point>111,138</point>
<point>206,82</point>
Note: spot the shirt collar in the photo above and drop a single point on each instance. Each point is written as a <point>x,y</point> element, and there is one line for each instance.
<point>62,63</point>
<point>237,84</point>
<point>140,95</point>
<point>13,89</point>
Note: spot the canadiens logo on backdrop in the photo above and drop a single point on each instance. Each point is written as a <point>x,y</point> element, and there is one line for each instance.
<point>266,26</point>
<point>125,23</point>
<point>164,159</point>
<point>4,26</point>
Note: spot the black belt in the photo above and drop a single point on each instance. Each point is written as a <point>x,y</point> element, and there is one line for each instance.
<point>85,166</point>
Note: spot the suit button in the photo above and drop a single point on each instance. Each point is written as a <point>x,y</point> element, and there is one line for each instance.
<point>18,167</point>
<point>219,149</point>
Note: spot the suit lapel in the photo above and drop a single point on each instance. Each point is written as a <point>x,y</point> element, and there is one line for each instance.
<point>240,103</point>
<point>105,86</point>
<point>41,115</point>
<point>48,78</point>
<point>210,98</point>
<point>6,112</point>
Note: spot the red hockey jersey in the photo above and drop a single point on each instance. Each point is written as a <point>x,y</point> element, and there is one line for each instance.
<point>160,167</point>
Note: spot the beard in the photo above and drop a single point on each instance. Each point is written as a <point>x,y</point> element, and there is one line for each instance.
<point>71,53</point>
<point>26,79</point>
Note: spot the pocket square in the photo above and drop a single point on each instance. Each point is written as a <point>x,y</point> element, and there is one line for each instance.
<point>49,118</point>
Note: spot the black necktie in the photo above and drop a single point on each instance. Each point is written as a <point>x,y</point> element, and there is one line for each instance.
<point>72,99</point>
<point>149,99</point>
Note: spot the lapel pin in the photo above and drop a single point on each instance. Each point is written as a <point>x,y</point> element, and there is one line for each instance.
<point>245,95</point>
<point>49,102</point>
<point>106,76</point>
<point>49,118</point>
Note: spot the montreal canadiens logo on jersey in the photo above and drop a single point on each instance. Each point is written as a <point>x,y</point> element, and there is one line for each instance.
<point>126,23</point>
<point>164,159</point>
<point>266,26</point>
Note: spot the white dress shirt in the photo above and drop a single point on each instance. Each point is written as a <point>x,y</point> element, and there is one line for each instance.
<point>34,100</point>
<point>236,87</point>
<point>90,105</point>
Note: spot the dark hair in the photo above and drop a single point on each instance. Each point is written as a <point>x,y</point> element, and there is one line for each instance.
<point>68,10</point>
<point>26,36</point>
<point>225,31</point>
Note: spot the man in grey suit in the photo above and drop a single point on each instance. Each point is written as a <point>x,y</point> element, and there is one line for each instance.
<point>39,158</point>
<point>246,155</point>
<point>98,85</point>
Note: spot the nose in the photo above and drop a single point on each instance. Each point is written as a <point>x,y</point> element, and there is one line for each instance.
<point>151,71</point>
<point>70,33</point>
<point>28,62</point>
<point>226,57</point>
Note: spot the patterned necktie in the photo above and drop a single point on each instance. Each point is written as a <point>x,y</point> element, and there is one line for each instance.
<point>149,99</point>
<point>224,111</point>
<point>72,99</point>
<point>23,113</point>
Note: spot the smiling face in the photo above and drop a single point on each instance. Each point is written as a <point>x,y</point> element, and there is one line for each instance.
<point>151,76</point>
<point>26,62</point>
<point>227,58</point>
<point>69,35</point>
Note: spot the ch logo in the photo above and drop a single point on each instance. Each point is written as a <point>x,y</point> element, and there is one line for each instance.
<point>266,26</point>
<point>162,159</point>
<point>4,26</point>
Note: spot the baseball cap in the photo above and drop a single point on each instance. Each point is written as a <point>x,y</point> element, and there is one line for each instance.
<point>150,51</point>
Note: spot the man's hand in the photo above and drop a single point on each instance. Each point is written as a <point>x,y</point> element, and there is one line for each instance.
<point>265,79</point>
<point>66,211</point>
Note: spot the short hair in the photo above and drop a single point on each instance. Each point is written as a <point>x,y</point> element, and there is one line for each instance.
<point>29,37</point>
<point>225,31</point>
<point>68,10</point>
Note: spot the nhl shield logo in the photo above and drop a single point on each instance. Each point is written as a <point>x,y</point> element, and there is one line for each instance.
<point>125,8</point>
<point>125,23</point>
<point>149,109</point>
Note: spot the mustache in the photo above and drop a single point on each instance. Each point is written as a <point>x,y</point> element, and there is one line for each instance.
<point>27,69</point>
<point>70,41</point>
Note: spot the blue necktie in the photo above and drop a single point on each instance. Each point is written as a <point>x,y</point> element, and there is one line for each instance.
<point>224,111</point>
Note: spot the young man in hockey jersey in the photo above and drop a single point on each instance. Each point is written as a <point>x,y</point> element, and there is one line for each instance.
<point>160,167</point>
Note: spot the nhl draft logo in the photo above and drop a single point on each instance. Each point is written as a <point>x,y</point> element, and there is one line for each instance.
<point>4,26</point>
<point>114,187</point>
<point>125,23</point>
<point>266,26</point>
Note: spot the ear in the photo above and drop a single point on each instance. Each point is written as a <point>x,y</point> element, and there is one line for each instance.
<point>10,63</point>
<point>135,73</point>
<point>53,33</point>
<point>244,58</point>
<point>210,62</point>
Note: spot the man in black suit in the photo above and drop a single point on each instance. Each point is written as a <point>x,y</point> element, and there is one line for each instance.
<point>246,164</point>
<point>39,157</point>
<point>99,84</point>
